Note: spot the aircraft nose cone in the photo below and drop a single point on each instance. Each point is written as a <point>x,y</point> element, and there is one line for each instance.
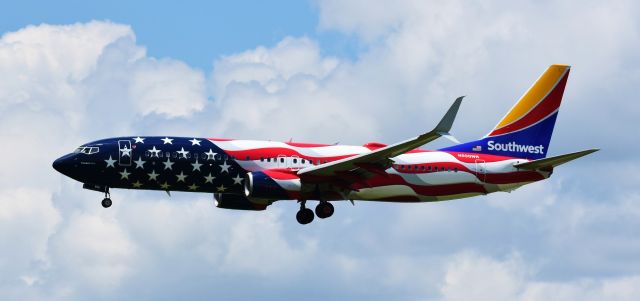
<point>62,165</point>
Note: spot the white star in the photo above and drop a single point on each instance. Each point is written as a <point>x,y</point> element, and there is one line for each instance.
<point>193,186</point>
<point>181,177</point>
<point>153,175</point>
<point>221,188</point>
<point>126,151</point>
<point>110,162</point>
<point>183,152</point>
<point>137,184</point>
<point>167,164</point>
<point>167,140</point>
<point>225,167</point>
<point>124,174</point>
<point>194,141</point>
<point>154,152</point>
<point>196,166</point>
<point>210,155</point>
<point>237,179</point>
<point>139,163</point>
<point>138,140</point>
<point>165,186</point>
<point>209,179</point>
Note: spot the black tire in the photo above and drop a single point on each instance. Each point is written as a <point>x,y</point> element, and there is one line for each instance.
<point>304,216</point>
<point>324,210</point>
<point>106,203</point>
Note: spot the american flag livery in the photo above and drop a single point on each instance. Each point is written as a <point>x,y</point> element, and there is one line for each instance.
<point>252,174</point>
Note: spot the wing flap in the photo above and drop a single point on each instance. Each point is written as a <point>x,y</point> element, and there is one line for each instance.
<point>554,161</point>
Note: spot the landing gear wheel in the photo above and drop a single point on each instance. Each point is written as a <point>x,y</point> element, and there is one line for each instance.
<point>324,210</point>
<point>304,216</point>
<point>106,202</point>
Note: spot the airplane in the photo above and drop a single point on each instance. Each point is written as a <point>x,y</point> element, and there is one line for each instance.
<point>251,174</point>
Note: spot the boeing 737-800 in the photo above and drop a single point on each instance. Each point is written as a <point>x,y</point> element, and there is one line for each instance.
<point>251,174</point>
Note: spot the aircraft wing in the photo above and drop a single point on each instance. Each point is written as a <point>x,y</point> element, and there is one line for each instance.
<point>554,161</point>
<point>380,157</point>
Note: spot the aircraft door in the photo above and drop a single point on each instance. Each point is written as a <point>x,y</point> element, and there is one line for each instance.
<point>481,170</point>
<point>125,152</point>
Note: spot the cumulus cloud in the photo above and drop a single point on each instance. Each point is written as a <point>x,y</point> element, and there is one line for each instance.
<point>64,85</point>
<point>471,276</point>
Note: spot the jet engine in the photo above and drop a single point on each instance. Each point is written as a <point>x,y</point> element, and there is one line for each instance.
<point>272,185</point>
<point>238,202</point>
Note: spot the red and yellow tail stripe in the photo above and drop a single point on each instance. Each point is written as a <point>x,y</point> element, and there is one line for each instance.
<point>539,102</point>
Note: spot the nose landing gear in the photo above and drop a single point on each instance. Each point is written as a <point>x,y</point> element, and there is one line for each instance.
<point>106,202</point>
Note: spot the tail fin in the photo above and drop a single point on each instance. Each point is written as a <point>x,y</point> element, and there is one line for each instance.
<point>525,132</point>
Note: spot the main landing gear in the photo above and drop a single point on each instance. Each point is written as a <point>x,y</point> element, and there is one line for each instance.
<point>324,209</point>
<point>305,215</point>
<point>106,202</point>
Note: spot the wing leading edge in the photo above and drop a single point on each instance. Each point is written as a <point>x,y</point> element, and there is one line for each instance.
<point>382,155</point>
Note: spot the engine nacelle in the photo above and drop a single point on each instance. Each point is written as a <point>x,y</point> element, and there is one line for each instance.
<point>237,202</point>
<point>273,184</point>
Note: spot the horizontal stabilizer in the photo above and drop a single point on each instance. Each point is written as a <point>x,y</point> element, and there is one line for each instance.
<point>554,161</point>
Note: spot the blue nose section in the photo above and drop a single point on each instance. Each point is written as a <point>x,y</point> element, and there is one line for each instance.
<point>63,165</point>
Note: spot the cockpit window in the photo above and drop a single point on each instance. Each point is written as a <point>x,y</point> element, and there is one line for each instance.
<point>89,150</point>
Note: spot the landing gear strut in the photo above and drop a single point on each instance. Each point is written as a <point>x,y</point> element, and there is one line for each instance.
<point>304,215</point>
<point>106,202</point>
<point>324,209</point>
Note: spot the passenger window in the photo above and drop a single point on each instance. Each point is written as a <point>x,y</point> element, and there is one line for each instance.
<point>317,162</point>
<point>167,154</point>
<point>422,168</point>
<point>295,160</point>
<point>455,169</point>
<point>174,155</point>
<point>428,168</point>
<point>261,159</point>
<point>188,155</point>
<point>195,155</point>
<point>248,158</point>
<point>147,154</point>
<point>281,160</point>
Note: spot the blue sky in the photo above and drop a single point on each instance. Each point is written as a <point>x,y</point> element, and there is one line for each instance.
<point>209,28</point>
<point>325,71</point>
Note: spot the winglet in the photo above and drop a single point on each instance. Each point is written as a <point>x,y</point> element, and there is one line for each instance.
<point>445,124</point>
<point>554,161</point>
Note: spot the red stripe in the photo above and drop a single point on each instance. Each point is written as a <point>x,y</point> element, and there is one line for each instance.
<point>273,152</point>
<point>513,177</point>
<point>301,144</point>
<point>281,174</point>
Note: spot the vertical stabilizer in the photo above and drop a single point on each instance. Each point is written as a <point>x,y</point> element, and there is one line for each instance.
<point>525,131</point>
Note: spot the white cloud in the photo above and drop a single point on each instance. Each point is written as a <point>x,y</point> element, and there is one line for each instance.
<point>470,276</point>
<point>63,85</point>
<point>167,87</point>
